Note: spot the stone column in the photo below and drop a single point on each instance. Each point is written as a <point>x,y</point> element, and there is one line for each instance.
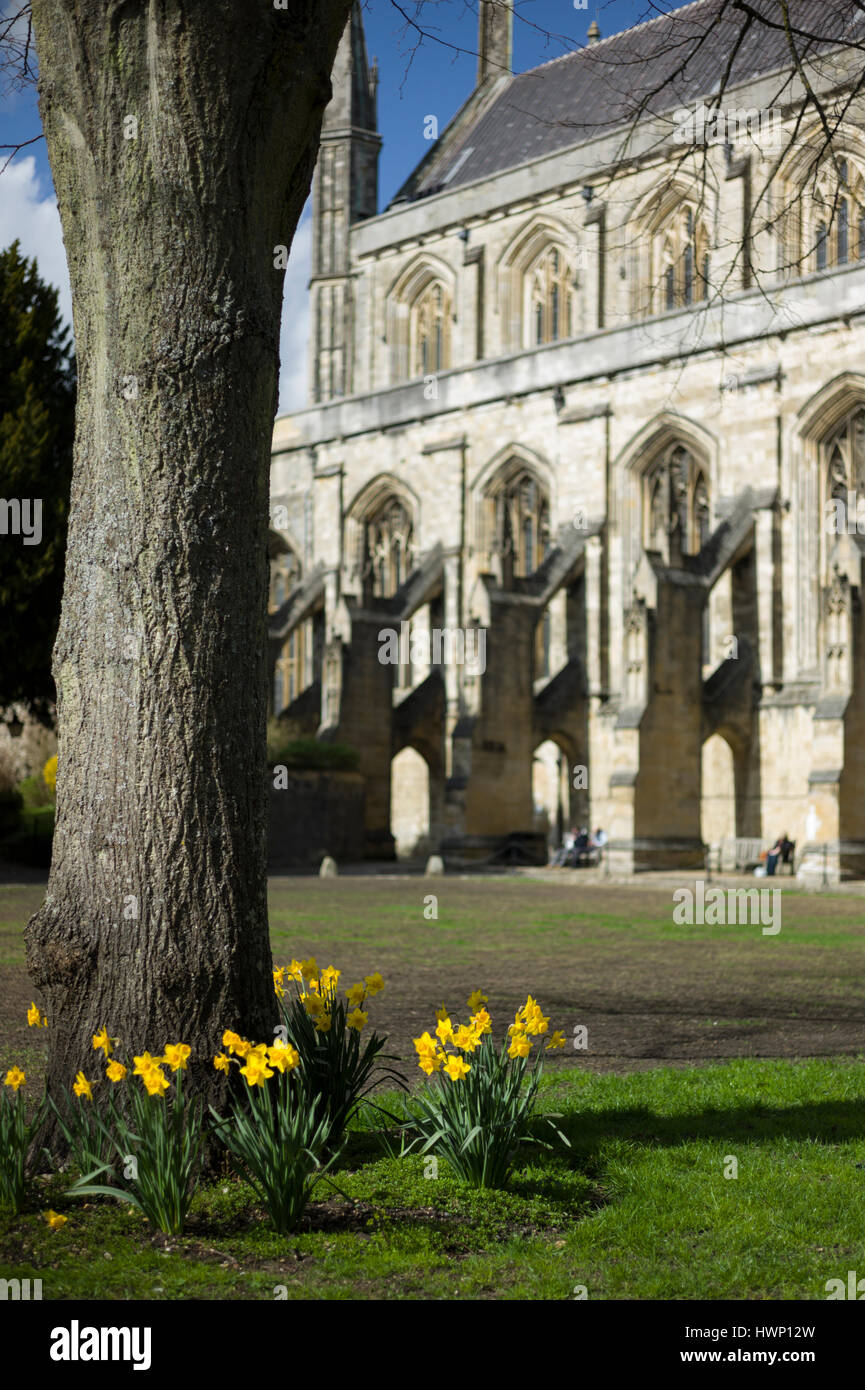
<point>764,542</point>
<point>739,211</point>
<point>499,794</point>
<point>472,307</point>
<point>667,790</point>
<point>365,722</point>
<point>593,268</point>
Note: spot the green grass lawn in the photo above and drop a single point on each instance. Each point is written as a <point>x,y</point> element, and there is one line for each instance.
<point>638,1208</point>
<point>760,1039</point>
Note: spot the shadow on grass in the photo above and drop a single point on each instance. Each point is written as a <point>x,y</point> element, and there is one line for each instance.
<point>829,1122</point>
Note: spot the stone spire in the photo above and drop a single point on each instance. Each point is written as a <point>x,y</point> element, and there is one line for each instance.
<point>495,38</point>
<point>344,191</point>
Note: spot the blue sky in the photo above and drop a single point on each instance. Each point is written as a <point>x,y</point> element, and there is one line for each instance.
<point>420,74</point>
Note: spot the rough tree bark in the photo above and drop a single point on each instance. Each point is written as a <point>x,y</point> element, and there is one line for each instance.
<point>182,136</point>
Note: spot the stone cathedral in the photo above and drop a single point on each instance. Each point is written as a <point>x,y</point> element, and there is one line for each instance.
<point>591,389</point>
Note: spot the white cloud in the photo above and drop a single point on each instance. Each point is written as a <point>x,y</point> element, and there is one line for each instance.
<point>30,217</point>
<point>294,336</point>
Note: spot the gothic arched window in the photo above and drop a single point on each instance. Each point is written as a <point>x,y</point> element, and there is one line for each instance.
<point>420,310</point>
<point>388,545</point>
<point>286,684</point>
<point>679,261</point>
<point>520,524</point>
<point>676,498</point>
<point>284,575</point>
<point>844,459</point>
<point>700,513</point>
<point>538,286</point>
<point>430,330</point>
<point>550,296</point>
<point>657,509</point>
<point>834,217</point>
<point>292,671</point>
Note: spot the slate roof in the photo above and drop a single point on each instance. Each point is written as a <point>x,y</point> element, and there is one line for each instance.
<point>668,62</point>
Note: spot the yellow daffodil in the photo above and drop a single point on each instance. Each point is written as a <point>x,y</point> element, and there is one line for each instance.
<point>221,1062</point>
<point>532,1015</point>
<point>457,1068</point>
<point>256,1070</point>
<point>49,773</point>
<point>293,970</point>
<point>323,1023</point>
<point>156,1083</point>
<point>357,1019</point>
<point>441,1013</point>
<point>481,1022</point>
<point>329,978</point>
<point>55,1219</point>
<point>234,1043</point>
<point>374,983</point>
<point>313,1003</point>
<point>102,1042</point>
<point>283,1057</point>
<point>34,1015</point>
<point>557,1040</point>
<point>279,981</point>
<point>465,1038</point>
<point>82,1087</point>
<point>144,1063</point>
<point>475,1000</point>
<point>444,1030</point>
<point>309,969</point>
<point>177,1055</point>
<point>115,1071</point>
<point>521,1046</point>
<point>15,1077</point>
<point>431,1061</point>
<point>356,995</point>
<point>425,1043</point>
<point>536,1023</point>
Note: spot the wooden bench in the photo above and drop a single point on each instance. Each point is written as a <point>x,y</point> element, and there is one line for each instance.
<point>740,852</point>
<point>747,852</point>
<point>590,856</point>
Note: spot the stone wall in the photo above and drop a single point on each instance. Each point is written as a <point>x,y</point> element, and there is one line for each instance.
<point>317,813</point>
<point>752,385</point>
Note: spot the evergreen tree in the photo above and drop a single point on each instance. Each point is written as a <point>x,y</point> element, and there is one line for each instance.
<point>37,401</point>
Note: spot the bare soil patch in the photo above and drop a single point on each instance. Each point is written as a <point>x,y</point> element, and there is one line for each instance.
<point>604,956</point>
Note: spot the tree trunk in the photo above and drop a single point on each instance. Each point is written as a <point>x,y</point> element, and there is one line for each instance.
<point>182,136</point>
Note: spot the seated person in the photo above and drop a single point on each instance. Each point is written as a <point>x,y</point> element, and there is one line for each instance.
<point>775,854</point>
<point>599,839</point>
<point>560,858</point>
<point>581,845</point>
